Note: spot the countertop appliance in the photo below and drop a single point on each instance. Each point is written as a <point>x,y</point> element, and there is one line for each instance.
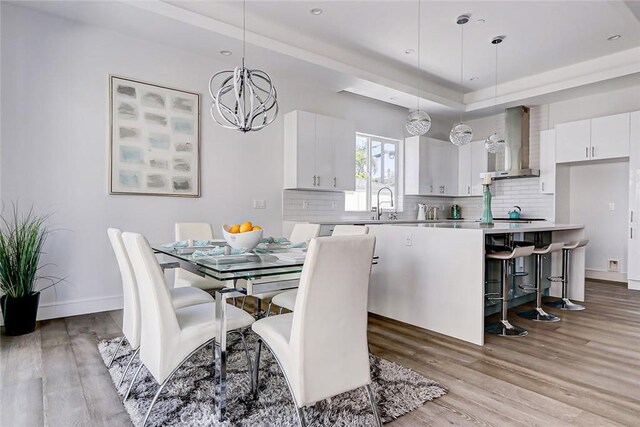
<point>422,212</point>
<point>456,212</point>
<point>515,213</point>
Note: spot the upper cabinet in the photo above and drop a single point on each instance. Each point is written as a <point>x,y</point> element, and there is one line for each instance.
<point>319,152</point>
<point>593,139</point>
<point>633,266</point>
<point>473,160</point>
<point>431,167</point>
<point>547,180</point>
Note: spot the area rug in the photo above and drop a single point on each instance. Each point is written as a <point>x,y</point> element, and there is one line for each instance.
<point>187,400</point>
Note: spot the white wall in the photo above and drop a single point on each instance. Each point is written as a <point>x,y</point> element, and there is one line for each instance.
<point>54,144</point>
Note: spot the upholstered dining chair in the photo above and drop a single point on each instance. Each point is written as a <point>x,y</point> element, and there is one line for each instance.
<point>324,355</point>
<point>300,233</point>
<point>180,297</point>
<point>170,336</point>
<point>287,299</point>
<point>194,231</point>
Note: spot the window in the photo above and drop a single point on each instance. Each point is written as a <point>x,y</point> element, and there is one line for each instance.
<point>376,167</point>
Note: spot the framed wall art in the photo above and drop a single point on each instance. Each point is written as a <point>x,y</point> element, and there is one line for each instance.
<point>155,139</point>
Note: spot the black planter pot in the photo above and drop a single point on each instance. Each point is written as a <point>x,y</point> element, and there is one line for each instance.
<point>19,314</point>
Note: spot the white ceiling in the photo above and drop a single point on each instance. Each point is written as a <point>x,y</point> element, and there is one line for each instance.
<point>552,49</point>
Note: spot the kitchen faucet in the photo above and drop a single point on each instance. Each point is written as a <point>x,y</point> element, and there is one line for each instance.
<point>378,212</point>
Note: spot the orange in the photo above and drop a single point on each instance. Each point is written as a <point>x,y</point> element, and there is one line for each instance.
<point>246,226</point>
<point>234,229</point>
<point>256,228</point>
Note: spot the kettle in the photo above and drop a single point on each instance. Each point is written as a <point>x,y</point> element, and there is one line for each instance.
<point>422,211</point>
<point>515,213</point>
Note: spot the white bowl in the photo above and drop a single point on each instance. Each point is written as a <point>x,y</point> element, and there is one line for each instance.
<point>247,240</point>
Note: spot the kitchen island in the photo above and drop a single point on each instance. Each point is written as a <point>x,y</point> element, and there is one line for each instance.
<point>432,274</point>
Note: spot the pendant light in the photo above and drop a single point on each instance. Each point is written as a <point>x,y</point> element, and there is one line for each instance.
<point>461,134</point>
<point>418,121</point>
<point>494,143</point>
<point>245,99</point>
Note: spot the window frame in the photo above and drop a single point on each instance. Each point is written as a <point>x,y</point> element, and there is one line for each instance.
<point>398,168</point>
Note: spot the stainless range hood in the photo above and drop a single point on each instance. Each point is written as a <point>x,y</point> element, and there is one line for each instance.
<point>516,155</point>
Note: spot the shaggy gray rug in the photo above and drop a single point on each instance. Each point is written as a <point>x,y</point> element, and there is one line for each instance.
<point>187,400</point>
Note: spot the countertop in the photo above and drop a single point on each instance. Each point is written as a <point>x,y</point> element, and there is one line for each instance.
<point>497,228</point>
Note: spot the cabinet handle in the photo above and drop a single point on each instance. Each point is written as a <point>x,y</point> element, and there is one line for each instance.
<point>543,186</point>
<point>431,188</point>
<point>314,181</point>
<point>468,189</point>
<point>318,180</point>
<point>586,152</point>
<point>335,181</point>
<point>631,232</point>
<point>631,216</point>
<point>593,151</point>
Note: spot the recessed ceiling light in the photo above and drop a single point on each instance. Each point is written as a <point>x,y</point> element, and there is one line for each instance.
<point>409,51</point>
<point>473,79</point>
<point>480,21</point>
<point>316,11</point>
<point>225,52</point>
<point>615,37</point>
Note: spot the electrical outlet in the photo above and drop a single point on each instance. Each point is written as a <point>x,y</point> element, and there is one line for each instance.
<point>408,241</point>
<point>614,265</point>
<point>612,206</point>
<point>305,204</point>
<point>260,204</point>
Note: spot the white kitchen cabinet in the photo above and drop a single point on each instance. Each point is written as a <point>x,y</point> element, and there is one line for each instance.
<point>431,167</point>
<point>573,141</point>
<point>319,152</point>
<point>633,261</point>
<point>548,161</point>
<point>593,139</point>
<point>473,160</point>
<point>610,137</point>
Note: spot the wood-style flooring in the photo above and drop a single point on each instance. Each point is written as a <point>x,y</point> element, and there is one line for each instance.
<point>584,370</point>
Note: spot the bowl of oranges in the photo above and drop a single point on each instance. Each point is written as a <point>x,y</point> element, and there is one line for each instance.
<point>242,236</point>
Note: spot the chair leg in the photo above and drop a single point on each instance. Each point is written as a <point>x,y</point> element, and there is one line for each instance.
<point>268,309</point>
<point>133,380</point>
<point>299,410</point>
<point>247,356</point>
<point>113,357</point>
<point>280,312</point>
<point>244,301</point>
<point>124,374</point>
<point>153,402</point>
<point>374,407</point>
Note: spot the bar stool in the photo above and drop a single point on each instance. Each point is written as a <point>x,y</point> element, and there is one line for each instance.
<point>503,327</point>
<point>565,303</point>
<point>538,314</point>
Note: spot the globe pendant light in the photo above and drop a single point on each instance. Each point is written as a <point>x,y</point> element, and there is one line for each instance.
<point>494,143</point>
<point>418,121</point>
<point>243,99</point>
<point>461,134</point>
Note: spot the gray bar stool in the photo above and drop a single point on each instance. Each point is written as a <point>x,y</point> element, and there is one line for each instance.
<point>503,327</point>
<point>538,314</point>
<point>565,303</point>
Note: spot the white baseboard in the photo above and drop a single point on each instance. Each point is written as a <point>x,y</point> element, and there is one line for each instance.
<point>612,276</point>
<point>54,310</point>
<point>634,285</point>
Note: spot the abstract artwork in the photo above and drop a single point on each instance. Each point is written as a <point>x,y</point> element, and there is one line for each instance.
<point>155,139</point>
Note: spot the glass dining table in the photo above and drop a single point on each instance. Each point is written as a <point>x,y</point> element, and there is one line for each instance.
<point>284,265</point>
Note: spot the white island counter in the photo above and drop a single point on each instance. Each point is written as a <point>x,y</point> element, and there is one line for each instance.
<point>432,275</point>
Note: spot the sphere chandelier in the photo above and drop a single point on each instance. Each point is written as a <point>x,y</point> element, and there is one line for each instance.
<point>461,134</point>
<point>494,143</point>
<point>418,121</point>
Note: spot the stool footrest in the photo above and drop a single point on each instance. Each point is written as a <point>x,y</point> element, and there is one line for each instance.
<point>555,279</point>
<point>518,273</point>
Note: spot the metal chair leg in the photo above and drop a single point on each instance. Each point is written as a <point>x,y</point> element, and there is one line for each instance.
<point>280,312</point>
<point>374,407</point>
<point>299,410</point>
<point>124,374</point>
<point>504,328</point>
<point>244,301</point>
<point>247,356</point>
<point>268,309</point>
<point>113,357</point>
<point>153,402</point>
<point>256,369</point>
<point>565,303</point>
<point>538,314</point>
<point>133,380</point>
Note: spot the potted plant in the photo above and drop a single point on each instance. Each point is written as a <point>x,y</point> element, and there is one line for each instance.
<point>22,239</point>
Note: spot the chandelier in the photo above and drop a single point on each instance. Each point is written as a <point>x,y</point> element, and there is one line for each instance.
<point>243,99</point>
<point>461,134</point>
<point>418,121</point>
<point>494,143</point>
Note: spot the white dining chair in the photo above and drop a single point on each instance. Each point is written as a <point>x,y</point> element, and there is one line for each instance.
<point>287,299</point>
<point>170,336</point>
<point>300,233</point>
<point>180,297</point>
<point>324,355</point>
<point>194,231</point>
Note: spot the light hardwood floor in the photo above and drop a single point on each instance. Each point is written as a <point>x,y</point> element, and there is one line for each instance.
<point>584,370</point>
